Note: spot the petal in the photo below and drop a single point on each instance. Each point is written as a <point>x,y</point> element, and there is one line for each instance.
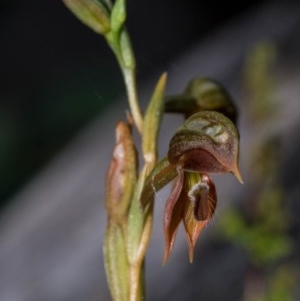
<point>199,211</point>
<point>192,227</point>
<point>173,215</point>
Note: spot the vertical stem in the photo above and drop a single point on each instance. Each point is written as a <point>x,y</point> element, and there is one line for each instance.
<point>137,269</point>
<point>130,83</point>
<point>136,292</point>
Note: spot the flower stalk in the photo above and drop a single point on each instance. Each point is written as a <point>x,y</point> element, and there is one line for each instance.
<point>207,142</point>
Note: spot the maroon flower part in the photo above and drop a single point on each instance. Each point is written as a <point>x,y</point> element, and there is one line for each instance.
<point>193,201</point>
<point>208,142</point>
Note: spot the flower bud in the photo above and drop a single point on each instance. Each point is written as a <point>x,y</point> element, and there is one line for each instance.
<point>92,13</point>
<point>122,174</point>
<point>202,94</point>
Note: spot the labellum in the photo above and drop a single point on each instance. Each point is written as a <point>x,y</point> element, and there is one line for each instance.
<point>200,208</point>
<point>203,195</point>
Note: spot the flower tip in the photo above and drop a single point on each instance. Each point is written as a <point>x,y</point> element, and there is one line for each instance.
<point>162,81</point>
<point>164,77</point>
<point>237,174</point>
<point>191,255</point>
<point>166,256</point>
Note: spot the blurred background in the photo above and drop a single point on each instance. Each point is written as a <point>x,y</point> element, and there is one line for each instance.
<point>61,93</point>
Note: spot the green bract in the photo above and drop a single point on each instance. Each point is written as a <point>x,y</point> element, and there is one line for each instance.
<point>92,13</point>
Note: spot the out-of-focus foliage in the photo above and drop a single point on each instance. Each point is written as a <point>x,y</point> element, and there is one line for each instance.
<point>260,224</point>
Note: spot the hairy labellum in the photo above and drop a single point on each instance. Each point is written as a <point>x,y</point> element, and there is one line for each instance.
<point>204,196</point>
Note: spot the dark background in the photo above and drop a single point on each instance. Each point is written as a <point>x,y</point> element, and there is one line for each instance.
<point>56,75</point>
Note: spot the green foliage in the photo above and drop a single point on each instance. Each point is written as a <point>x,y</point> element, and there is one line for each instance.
<point>260,225</point>
<point>259,81</point>
<point>261,243</point>
<point>280,285</point>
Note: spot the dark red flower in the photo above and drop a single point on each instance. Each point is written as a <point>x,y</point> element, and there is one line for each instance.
<point>193,201</point>
<point>208,142</point>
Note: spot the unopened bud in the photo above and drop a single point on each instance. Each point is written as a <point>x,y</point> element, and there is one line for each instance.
<point>92,13</point>
<point>122,174</point>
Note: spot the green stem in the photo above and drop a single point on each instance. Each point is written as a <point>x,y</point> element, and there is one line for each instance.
<point>121,47</point>
<point>137,283</point>
<point>137,266</point>
<point>130,83</point>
